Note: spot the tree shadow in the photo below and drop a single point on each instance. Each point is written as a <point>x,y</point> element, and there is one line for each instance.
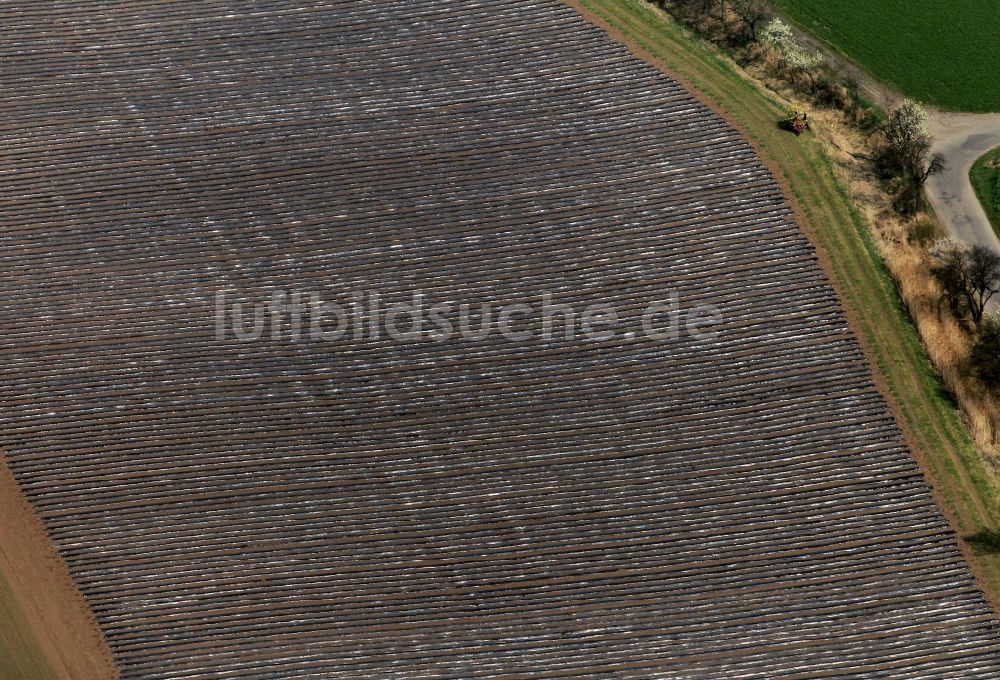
<point>984,542</point>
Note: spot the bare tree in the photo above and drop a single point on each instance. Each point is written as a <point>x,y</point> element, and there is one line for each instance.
<point>697,8</point>
<point>968,275</point>
<point>910,196</point>
<point>752,16</point>
<point>982,280</point>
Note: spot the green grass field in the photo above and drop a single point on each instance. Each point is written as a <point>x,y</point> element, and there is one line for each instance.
<point>942,53</point>
<point>940,440</point>
<point>986,181</point>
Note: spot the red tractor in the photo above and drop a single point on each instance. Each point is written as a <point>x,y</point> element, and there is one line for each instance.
<point>796,121</point>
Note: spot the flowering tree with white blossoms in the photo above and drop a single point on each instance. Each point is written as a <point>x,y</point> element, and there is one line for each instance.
<point>904,153</point>
<point>906,130</point>
<point>779,35</point>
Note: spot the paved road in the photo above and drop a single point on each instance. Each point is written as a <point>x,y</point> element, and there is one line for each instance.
<point>962,138</point>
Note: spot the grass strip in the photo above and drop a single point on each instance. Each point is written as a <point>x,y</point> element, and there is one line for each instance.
<point>985,178</point>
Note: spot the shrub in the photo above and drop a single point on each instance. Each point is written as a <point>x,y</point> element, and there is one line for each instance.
<point>829,92</point>
<point>871,120</point>
<point>923,232</point>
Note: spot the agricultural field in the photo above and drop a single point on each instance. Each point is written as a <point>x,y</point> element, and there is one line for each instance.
<point>46,630</point>
<point>22,656</point>
<point>738,505</point>
<point>941,440</point>
<point>985,178</point>
<point>942,53</point>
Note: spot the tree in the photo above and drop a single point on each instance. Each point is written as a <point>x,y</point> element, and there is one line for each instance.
<point>904,154</point>
<point>982,280</point>
<point>779,34</point>
<point>910,196</point>
<point>905,138</point>
<point>968,275</point>
<point>699,8</point>
<point>984,361</point>
<point>752,16</point>
<point>946,268</point>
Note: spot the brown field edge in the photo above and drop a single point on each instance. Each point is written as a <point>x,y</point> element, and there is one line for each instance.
<point>68,637</point>
<point>369,508</point>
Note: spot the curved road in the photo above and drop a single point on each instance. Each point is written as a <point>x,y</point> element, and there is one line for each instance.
<point>962,138</point>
